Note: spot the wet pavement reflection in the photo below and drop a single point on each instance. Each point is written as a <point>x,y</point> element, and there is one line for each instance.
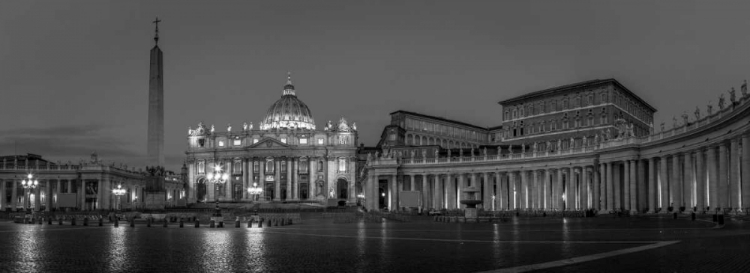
<point>319,245</point>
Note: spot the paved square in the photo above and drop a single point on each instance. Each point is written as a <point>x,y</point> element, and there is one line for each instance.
<point>319,245</point>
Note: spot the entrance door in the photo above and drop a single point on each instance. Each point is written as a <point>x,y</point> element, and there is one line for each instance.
<point>342,188</point>
<point>283,192</point>
<point>200,192</point>
<point>237,194</point>
<point>303,191</point>
<point>269,191</point>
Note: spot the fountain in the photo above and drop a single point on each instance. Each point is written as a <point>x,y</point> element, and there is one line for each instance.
<point>471,202</point>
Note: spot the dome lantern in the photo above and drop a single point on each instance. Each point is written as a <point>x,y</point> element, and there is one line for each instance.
<point>288,112</point>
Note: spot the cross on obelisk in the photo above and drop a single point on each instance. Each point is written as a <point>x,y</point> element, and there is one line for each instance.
<point>156,22</point>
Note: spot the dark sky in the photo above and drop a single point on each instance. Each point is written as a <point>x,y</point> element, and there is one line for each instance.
<point>74,74</point>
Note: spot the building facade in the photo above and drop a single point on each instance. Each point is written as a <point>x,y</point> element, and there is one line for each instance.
<point>286,156</point>
<point>701,164</point>
<point>88,184</point>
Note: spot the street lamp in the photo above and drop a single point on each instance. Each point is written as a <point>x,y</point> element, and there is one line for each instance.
<point>29,184</point>
<point>254,190</point>
<point>119,191</point>
<point>218,176</point>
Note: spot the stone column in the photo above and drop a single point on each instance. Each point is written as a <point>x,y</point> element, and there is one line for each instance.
<point>373,192</point>
<point>502,191</point>
<point>534,190</point>
<point>641,186</point>
<point>262,178</point>
<point>700,180</point>
<point>425,192</point>
<point>688,182</point>
<point>557,193</point>
<point>100,194</point>
<point>524,192</point>
<point>229,184</point>
<point>626,181</point>
<point>450,186</point>
<point>664,183</point>
<point>14,195</point>
<point>566,189</point>
<point>651,177</point>
<point>412,185</point>
<point>676,183</point>
<point>487,192</point>
<point>277,178</point>
<point>633,186</point>
<point>617,182</point>
<point>596,193</point>
<point>735,193</point>
<point>585,203</point>
<point>547,192</point>
<point>2,194</point>
<point>459,191</point>
<point>745,171</point>
<point>295,179</point>
<point>723,201</point>
<point>495,187</point>
<point>393,193</point>
<point>245,174</point>
<point>311,179</point>
<point>436,192</point>
<point>610,188</point>
<point>289,179</point>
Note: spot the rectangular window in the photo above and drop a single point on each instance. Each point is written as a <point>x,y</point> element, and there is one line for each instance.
<point>201,166</point>
<point>283,166</point>
<point>303,141</point>
<point>283,140</point>
<point>237,142</point>
<point>342,165</point>
<point>320,141</point>
<point>303,166</point>
<point>237,167</point>
<point>256,166</point>
<point>221,143</point>
<point>255,140</point>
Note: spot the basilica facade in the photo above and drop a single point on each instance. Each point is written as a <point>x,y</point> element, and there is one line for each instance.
<point>285,158</point>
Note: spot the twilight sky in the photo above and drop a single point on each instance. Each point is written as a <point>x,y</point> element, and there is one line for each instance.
<point>74,74</point>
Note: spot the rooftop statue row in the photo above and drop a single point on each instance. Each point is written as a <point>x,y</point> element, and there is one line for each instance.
<point>202,130</point>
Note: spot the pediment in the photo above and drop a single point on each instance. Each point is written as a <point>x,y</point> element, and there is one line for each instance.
<point>268,143</point>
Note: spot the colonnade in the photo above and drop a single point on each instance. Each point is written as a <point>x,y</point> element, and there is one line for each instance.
<point>50,188</point>
<point>703,177</point>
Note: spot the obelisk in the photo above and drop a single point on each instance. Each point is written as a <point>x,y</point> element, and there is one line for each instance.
<point>156,105</point>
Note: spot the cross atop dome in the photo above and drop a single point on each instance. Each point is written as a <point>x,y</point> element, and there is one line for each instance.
<point>289,87</point>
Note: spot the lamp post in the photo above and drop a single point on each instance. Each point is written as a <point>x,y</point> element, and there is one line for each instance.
<point>119,191</point>
<point>218,176</point>
<point>254,190</point>
<point>28,185</point>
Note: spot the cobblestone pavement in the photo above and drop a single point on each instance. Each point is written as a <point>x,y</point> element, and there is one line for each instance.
<point>319,245</point>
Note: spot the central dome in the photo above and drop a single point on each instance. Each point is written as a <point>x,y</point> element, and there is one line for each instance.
<point>288,112</point>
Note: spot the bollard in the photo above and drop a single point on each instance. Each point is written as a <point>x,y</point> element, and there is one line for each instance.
<point>49,220</point>
<point>148,222</point>
<point>101,222</point>
<point>213,224</point>
<point>250,223</point>
<point>236,223</point>
<point>221,224</point>
<point>260,222</point>
<point>197,223</point>
<point>59,221</point>
<point>166,222</point>
<point>544,214</point>
<point>85,221</point>
<point>132,222</point>
<point>721,219</point>
<point>289,221</point>
<point>117,222</point>
<point>73,221</point>
<point>41,220</point>
<point>675,215</point>
<point>181,223</point>
<point>692,216</point>
<point>716,218</point>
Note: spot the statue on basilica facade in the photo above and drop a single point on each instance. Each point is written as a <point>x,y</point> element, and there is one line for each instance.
<point>485,152</point>
<point>229,127</point>
<point>662,126</point>
<point>190,130</point>
<point>709,108</point>
<point>329,125</point>
<point>596,139</point>
<point>449,154</point>
<point>523,148</point>
<point>424,153</point>
<point>332,193</point>
<point>436,153</point>
<point>244,126</point>
<point>650,128</point>
<point>534,148</point>
<point>732,96</point>
<point>743,89</point>
<point>674,122</point>
<point>212,128</point>
<point>411,154</point>
<point>721,102</point>
<point>472,152</point>
<point>609,133</point>
<point>510,149</point>
<point>354,126</point>
<point>369,157</point>
<point>377,154</point>
<point>572,142</point>
<point>559,145</point>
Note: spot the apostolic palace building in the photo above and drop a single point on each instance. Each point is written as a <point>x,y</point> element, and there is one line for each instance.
<point>589,145</point>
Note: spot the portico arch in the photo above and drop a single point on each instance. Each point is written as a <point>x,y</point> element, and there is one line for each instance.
<point>200,191</point>
<point>342,187</point>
